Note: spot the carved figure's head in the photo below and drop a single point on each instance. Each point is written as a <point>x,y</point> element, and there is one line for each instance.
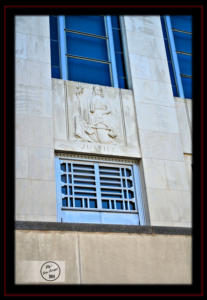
<point>79,90</point>
<point>98,91</point>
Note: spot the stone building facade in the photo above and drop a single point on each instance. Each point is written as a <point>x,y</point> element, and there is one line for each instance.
<point>66,120</point>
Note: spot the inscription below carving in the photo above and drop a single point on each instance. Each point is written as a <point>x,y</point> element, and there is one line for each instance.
<point>93,124</point>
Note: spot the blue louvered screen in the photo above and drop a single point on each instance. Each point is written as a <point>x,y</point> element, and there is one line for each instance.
<point>89,186</point>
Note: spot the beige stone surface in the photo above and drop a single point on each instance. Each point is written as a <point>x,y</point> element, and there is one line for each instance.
<point>169,207</point>
<point>59,112</point>
<point>21,162</point>
<point>32,47</point>
<point>148,68</point>
<point>188,163</point>
<point>42,201</point>
<point>30,100</point>
<point>176,175</point>
<point>41,163</point>
<point>33,25</point>
<point>106,258</point>
<point>157,117</point>
<point>155,173</point>
<point>35,200</point>
<point>189,110</point>
<point>149,25</point>
<point>160,145</point>
<point>33,131</point>
<point>32,73</point>
<point>184,126</point>
<point>128,258</point>
<point>153,92</point>
<point>46,246</point>
<point>142,44</point>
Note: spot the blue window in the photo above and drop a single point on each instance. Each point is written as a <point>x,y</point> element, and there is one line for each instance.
<point>96,191</point>
<point>87,49</point>
<point>177,32</point>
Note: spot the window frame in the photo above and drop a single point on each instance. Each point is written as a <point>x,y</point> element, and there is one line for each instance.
<point>79,215</point>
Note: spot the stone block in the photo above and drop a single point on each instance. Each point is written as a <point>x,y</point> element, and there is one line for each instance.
<point>41,163</point>
<point>21,162</point>
<point>176,175</point>
<point>33,25</point>
<point>153,92</point>
<point>42,198</point>
<point>144,67</point>
<point>134,259</point>
<point>60,115</point>
<point>146,45</point>
<point>34,101</point>
<point>160,145</point>
<point>169,207</point>
<point>185,130</point>
<point>32,73</point>
<point>148,25</point>
<point>155,173</point>
<point>157,117</point>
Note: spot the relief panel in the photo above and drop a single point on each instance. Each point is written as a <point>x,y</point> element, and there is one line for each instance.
<point>95,121</point>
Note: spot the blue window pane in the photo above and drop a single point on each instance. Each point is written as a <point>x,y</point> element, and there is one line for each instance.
<point>88,24</point>
<point>132,206</point>
<point>78,203</point>
<point>122,82</point>
<point>86,46</point>
<point>183,42</point>
<point>172,76</point>
<point>185,64</point>
<point>64,202</point>
<point>88,71</point>
<point>119,205</point>
<point>54,53</point>
<point>53,28</point>
<point>55,72</point>
<point>115,21</point>
<point>183,23</point>
<point>187,86</point>
<point>120,65</point>
<point>92,203</point>
<point>117,40</point>
<point>105,204</point>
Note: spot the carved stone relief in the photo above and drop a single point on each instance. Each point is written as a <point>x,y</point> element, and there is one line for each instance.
<point>93,121</point>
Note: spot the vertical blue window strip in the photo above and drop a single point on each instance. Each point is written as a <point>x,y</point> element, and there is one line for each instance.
<point>62,44</point>
<point>112,51</point>
<point>118,52</point>
<point>54,45</point>
<point>170,64</point>
<point>178,38</point>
